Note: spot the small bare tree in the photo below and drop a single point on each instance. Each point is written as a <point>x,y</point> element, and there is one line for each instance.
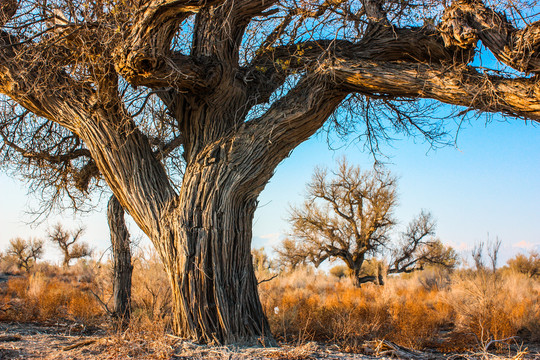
<point>492,251</point>
<point>349,217</point>
<point>418,248</point>
<point>69,243</point>
<point>25,252</point>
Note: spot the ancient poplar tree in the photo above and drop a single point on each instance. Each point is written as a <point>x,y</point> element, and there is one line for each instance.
<point>241,84</point>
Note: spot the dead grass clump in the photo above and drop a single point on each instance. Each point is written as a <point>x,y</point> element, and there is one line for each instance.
<point>38,297</point>
<point>413,322</point>
<point>341,313</point>
<point>455,312</point>
<point>492,307</point>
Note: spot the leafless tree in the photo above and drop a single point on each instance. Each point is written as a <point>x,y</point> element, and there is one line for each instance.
<point>349,217</point>
<point>238,85</point>
<point>417,249</point>
<point>477,254</point>
<point>69,243</point>
<point>492,251</point>
<point>25,252</point>
<point>290,256</point>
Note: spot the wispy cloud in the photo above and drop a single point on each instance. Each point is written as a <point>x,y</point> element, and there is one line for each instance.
<point>527,245</point>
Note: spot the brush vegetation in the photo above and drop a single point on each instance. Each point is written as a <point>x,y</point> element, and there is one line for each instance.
<point>430,309</point>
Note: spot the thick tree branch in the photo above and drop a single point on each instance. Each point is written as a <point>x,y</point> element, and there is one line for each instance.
<point>41,87</point>
<point>120,152</point>
<point>415,45</point>
<point>467,21</point>
<point>457,85</point>
<point>46,156</point>
<point>176,70</point>
<point>219,29</point>
<point>296,116</point>
<point>145,57</point>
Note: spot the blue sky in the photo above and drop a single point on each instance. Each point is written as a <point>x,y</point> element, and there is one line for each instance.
<point>487,183</point>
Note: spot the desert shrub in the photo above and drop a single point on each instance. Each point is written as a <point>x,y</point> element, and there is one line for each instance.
<point>342,313</point>
<point>491,306</point>
<point>528,265</point>
<point>340,271</point>
<point>434,278</point>
<point>461,310</point>
<point>8,264</point>
<point>38,297</point>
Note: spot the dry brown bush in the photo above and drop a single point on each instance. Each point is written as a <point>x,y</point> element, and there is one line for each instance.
<point>82,293</point>
<point>490,306</point>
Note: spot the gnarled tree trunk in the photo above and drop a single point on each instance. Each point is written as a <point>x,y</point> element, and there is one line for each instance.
<point>122,267</point>
<point>214,286</point>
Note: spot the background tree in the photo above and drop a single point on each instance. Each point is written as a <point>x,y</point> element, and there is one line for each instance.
<point>350,217</point>
<point>122,266</point>
<point>417,250</point>
<point>265,268</point>
<point>25,253</point>
<point>491,250</point>
<point>241,84</point>
<point>69,242</point>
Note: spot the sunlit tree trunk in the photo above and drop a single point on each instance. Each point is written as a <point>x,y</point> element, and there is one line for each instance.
<point>214,286</point>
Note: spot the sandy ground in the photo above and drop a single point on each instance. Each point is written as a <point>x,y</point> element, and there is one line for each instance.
<point>63,341</point>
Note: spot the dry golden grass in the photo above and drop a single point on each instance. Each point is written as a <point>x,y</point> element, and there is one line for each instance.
<point>38,297</point>
<point>466,310</point>
<point>472,309</point>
